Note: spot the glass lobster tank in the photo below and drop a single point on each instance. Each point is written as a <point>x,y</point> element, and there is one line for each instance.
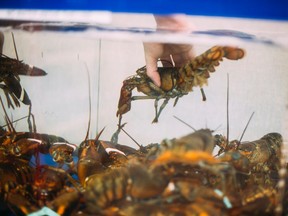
<point>80,134</point>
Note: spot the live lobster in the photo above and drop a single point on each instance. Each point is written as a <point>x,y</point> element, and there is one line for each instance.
<point>175,81</point>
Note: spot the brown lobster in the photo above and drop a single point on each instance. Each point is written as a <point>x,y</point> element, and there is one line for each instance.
<point>175,81</point>
<point>10,69</point>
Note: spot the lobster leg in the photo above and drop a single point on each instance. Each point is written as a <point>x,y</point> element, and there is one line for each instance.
<point>114,138</point>
<point>143,97</point>
<point>8,94</point>
<point>158,112</point>
<point>203,94</point>
<point>31,128</point>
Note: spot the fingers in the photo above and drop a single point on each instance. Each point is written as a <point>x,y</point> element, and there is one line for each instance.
<point>152,53</point>
<point>151,67</point>
<point>170,54</point>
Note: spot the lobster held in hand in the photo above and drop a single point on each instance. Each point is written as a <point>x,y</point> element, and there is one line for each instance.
<point>175,81</point>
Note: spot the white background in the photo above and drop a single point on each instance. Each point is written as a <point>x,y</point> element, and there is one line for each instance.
<point>258,82</point>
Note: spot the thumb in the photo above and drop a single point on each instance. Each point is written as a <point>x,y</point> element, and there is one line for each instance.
<point>151,67</point>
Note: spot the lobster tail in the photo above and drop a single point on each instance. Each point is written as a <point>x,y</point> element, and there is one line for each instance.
<point>216,53</point>
<point>233,53</point>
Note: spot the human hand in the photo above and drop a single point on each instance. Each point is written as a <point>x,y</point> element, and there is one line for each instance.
<point>178,54</point>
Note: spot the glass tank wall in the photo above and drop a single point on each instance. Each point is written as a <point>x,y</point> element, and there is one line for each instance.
<point>88,64</point>
<point>107,57</point>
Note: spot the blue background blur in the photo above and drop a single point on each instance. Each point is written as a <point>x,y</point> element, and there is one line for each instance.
<point>263,9</point>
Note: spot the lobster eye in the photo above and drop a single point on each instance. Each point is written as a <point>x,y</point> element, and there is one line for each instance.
<point>69,160</point>
<point>84,144</point>
<point>17,150</point>
<point>55,156</point>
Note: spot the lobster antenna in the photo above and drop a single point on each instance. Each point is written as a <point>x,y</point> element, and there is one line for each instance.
<point>172,60</point>
<point>131,137</point>
<point>9,123</point>
<point>217,128</point>
<point>185,123</point>
<point>15,121</point>
<point>89,90</point>
<point>99,134</point>
<point>164,60</point>
<point>227,111</point>
<point>15,46</point>
<point>142,149</point>
<point>246,127</point>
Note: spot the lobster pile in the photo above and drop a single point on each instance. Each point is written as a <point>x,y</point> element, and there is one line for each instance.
<point>175,177</point>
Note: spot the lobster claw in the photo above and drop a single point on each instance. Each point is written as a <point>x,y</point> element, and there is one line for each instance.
<point>62,152</point>
<point>124,104</point>
<point>112,156</point>
<point>30,70</point>
<point>10,70</point>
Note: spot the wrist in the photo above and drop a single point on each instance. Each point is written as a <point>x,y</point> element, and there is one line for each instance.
<point>175,22</point>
